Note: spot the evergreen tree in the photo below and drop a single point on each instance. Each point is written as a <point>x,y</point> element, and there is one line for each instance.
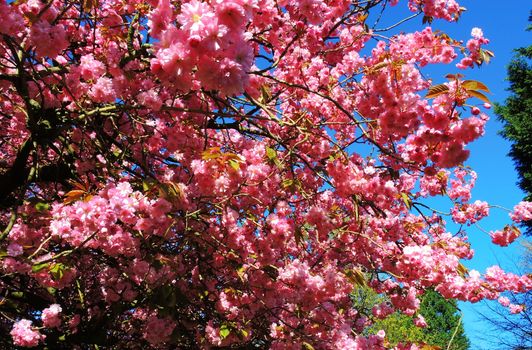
<point>444,325</point>
<point>516,114</point>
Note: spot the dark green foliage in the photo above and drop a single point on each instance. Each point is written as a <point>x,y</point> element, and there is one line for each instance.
<point>443,322</point>
<point>516,115</point>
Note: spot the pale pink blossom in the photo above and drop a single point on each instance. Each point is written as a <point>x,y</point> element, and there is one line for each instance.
<point>51,316</point>
<point>24,335</point>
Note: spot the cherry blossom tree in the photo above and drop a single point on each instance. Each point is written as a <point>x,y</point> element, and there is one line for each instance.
<point>223,174</point>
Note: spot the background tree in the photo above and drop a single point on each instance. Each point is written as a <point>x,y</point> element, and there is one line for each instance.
<point>444,322</point>
<point>516,115</point>
<point>443,330</point>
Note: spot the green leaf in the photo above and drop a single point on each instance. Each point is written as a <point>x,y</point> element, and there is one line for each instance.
<point>241,271</point>
<point>306,346</point>
<point>454,76</point>
<point>39,267</point>
<point>211,153</point>
<point>17,294</point>
<point>427,19</point>
<point>147,185</point>
<point>287,183</point>
<point>356,277</point>
<point>234,164</point>
<point>271,153</point>
<point>265,93</point>
<point>224,331</point>
<point>485,56</point>
<point>406,200</point>
<point>462,270</point>
<point>41,206</point>
<point>57,271</point>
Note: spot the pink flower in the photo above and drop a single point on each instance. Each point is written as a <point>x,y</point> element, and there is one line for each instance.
<point>505,236</point>
<point>504,301</point>
<point>477,33</point>
<point>516,309</point>
<point>12,21</point>
<point>522,212</point>
<point>151,100</point>
<point>24,335</point>
<point>195,17</point>
<point>103,90</point>
<point>73,323</point>
<point>91,68</point>
<point>159,18</point>
<point>158,330</point>
<point>51,317</point>
<point>14,249</point>
<point>419,321</point>
<point>48,40</point>
<point>231,14</point>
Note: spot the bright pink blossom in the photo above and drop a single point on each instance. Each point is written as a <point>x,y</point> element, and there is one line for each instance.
<point>24,335</point>
<point>51,316</point>
<point>505,236</point>
<point>515,309</point>
<point>522,212</point>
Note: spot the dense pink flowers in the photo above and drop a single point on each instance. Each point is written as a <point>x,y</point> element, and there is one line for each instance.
<point>187,174</point>
<point>24,335</point>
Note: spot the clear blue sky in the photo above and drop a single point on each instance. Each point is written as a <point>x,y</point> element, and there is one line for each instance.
<point>504,23</point>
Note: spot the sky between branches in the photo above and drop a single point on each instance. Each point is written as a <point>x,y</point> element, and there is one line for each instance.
<point>504,23</point>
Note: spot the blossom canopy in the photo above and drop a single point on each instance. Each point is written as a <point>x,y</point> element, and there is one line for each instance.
<point>226,174</point>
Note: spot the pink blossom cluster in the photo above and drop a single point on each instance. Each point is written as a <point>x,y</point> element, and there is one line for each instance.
<point>514,308</point>
<point>209,49</point>
<point>505,236</point>
<point>158,330</point>
<point>24,335</point>
<point>98,222</point>
<point>522,212</point>
<point>51,316</point>
<point>447,9</point>
<point>470,213</point>
<point>474,47</point>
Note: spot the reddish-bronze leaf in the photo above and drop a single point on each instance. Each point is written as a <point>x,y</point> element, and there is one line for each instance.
<point>478,95</point>
<point>437,90</point>
<point>475,85</point>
